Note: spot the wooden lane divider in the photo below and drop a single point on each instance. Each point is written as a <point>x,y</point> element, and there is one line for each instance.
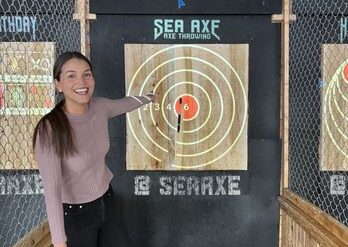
<point>305,223</point>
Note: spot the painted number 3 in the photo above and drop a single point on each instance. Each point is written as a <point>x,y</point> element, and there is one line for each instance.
<point>157,107</point>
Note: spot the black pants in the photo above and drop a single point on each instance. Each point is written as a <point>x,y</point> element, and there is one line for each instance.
<point>95,224</point>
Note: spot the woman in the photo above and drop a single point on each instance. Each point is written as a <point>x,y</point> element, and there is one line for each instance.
<point>70,145</point>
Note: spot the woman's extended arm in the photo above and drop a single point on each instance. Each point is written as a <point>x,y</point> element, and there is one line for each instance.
<point>117,107</point>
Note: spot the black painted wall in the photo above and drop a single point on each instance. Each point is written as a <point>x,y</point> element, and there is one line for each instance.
<point>250,219</point>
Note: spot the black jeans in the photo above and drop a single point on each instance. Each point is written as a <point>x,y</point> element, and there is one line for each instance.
<point>95,224</point>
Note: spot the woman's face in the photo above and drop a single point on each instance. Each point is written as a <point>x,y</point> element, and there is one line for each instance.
<point>77,84</point>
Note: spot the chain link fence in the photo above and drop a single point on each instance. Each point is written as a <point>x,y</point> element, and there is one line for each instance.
<point>32,34</point>
<point>318,105</point>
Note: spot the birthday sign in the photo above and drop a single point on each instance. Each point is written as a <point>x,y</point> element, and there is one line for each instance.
<point>26,86</point>
<point>26,93</point>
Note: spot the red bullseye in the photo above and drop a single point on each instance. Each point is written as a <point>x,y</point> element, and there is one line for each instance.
<point>345,72</point>
<point>188,108</point>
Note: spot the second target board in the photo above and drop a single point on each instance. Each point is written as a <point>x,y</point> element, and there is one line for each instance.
<point>333,151</point>
<point>200,117</point>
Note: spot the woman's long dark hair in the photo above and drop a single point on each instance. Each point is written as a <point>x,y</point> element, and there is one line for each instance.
<point>60,135</point>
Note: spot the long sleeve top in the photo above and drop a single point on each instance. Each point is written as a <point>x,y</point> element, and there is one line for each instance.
<point>82,177</point>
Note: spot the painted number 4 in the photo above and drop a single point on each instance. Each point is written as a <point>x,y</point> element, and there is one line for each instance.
<point>186,107</point>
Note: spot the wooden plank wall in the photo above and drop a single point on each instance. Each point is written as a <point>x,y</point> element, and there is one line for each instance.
<point>304,224</point>
<point>38,237</point>
<point>294,235</point>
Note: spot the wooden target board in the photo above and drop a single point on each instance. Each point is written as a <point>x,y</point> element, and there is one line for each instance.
<point>334,108</point>
<point>200,117</point>
<point>26,93</point>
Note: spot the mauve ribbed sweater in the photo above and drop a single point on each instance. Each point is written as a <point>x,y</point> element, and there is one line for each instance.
<point>84,176</point>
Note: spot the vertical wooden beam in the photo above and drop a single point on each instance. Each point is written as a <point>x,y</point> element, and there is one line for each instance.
<point>284,19</point>
<point>82,14</point>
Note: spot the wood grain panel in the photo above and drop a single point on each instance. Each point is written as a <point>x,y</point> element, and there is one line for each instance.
<point>212,81</point>
<point>40,236</point>
<point>304,224</point>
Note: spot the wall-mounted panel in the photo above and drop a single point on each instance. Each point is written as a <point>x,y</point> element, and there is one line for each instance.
<point>334,110</point>
<point>27,93</point>
<point>199,120</point>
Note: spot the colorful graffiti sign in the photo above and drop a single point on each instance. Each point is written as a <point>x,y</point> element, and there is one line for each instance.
<point>26,86</point>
